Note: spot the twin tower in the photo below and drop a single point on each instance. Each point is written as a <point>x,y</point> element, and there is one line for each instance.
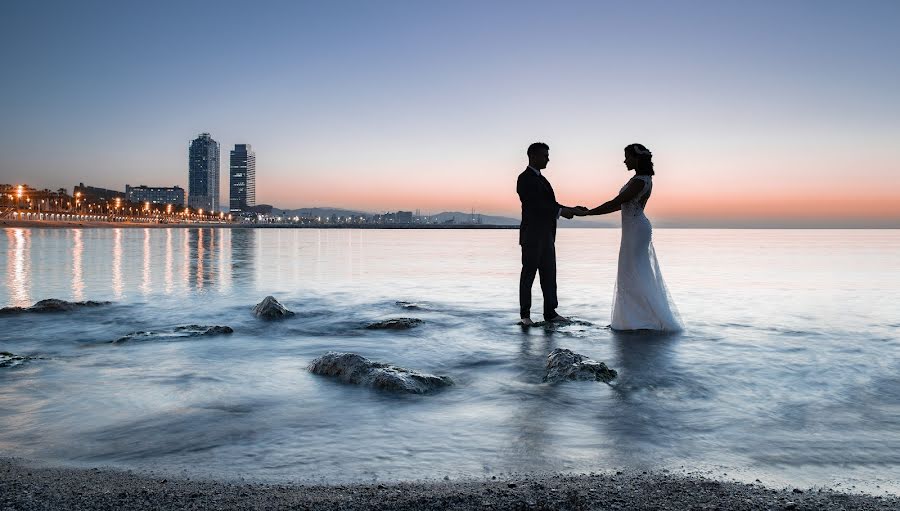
<point>203,176</point>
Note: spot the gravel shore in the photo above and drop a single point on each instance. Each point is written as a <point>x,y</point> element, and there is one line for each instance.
<point>28,486</point>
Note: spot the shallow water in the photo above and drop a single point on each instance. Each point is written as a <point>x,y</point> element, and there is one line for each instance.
<point>787,371</point>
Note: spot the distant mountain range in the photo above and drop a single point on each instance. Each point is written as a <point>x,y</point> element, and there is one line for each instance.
<point>457,217</point>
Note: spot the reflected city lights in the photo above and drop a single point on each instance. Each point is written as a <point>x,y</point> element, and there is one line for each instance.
<point>200,255</point>
<point>169,262</point>
<point>77,272</point>
<point>145,274</point>
<point>224,266</point>
<point>18,266</point>
<point>186,265</point>
<point>117,282</point>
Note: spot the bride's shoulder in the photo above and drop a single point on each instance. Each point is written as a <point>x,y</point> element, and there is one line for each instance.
<point>640,179</point>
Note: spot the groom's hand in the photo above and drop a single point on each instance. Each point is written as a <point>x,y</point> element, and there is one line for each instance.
<point>567,213</point>
<point>580,211</point>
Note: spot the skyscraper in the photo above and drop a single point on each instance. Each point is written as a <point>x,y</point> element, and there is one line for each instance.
<point>203,173</point>
<point>243,178</point>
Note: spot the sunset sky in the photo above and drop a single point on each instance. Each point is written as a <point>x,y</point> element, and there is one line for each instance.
<point>756,112</point>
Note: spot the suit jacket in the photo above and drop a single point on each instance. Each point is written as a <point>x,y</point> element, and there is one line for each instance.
<point>539,207</point>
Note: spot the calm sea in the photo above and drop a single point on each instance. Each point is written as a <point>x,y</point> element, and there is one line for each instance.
<point>788,370</point>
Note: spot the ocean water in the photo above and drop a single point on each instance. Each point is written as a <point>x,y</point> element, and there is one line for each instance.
<point>788,370</point>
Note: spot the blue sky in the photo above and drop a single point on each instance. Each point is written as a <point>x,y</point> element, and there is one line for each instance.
<point>390,105</point>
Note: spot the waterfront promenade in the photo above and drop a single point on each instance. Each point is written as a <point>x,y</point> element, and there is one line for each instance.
<point>74,223</point>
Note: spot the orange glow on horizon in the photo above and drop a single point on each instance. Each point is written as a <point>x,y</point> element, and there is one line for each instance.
<point>663,204</point>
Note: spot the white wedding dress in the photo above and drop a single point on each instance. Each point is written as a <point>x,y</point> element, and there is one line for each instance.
<point>641,300</point>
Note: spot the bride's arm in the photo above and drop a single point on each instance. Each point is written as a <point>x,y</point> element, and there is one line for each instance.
<point>631,191</point>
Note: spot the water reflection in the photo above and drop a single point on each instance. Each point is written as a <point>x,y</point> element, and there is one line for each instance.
<point>18,266</point>
<point>145,274</point>
<point>646,413</point>
<point>117,281</point>
<point>223,235</point>
<point>532,422</point>
<point>243,252</point>
<point>77,272</point>
<point>169,262</point>
<point>186,266</point>
<point>201,249</point>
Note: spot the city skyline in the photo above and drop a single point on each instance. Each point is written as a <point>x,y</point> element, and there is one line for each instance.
<point>767,113</point>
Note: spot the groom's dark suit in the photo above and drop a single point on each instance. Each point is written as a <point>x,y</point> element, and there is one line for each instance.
<point>537,236</point>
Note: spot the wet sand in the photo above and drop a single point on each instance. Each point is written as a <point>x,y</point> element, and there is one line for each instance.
<point>27,485</point>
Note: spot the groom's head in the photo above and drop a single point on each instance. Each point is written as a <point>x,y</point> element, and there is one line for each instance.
<point>538,155</point>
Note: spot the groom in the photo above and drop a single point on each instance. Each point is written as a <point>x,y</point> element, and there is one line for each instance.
<point>537,233</point>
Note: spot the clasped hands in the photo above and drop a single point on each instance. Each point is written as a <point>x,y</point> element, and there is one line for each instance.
<point>572,212</point>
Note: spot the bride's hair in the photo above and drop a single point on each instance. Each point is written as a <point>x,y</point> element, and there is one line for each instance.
<point>644,157</point>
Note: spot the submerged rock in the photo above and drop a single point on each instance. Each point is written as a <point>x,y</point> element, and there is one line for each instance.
<point>8,359</point>
<point>395,324</point>
<point>176,333</point>
<point>358,370</point>
<point>409,305</point>
<point>563,364</point>
<point>52,305</point>
<point>559,324</point>
<point>269,308</point>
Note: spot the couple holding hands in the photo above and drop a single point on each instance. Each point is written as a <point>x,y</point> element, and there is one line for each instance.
<point>641,300</point>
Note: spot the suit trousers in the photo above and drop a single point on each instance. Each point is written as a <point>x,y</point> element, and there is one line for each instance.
<point>538,256</point>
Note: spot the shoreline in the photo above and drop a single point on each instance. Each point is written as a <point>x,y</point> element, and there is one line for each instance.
<point>59,224</point>
<point>29,485</point>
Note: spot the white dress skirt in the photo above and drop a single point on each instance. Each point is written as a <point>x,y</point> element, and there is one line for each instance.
<point>641,300</point>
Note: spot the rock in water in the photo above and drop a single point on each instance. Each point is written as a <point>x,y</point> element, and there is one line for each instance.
<point>358,370</point>
<point>269,308</point>
<point>7,359</point>
<point>563,364</point>
<point>52,305</point>
<point>395,324</point>
<point>176,333</point>
<point>409,305</point>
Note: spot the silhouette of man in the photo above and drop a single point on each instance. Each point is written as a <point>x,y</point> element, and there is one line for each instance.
<point>537,233</point>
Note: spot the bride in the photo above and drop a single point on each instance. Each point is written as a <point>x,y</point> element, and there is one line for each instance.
<point>641,301</point>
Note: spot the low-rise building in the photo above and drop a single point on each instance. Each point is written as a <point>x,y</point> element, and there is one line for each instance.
<point>155,194</point>
<point>94,194</point>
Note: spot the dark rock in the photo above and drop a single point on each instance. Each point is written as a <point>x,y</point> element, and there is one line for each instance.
<point>176,333</point>
<point>52,305</point>
<point>552,325</point>
<point>269,308</point>
<point>8,359</point>
<point>358,370</point>
<point>395,324</point>
<point>410,305</point>
<point>563,364</point>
